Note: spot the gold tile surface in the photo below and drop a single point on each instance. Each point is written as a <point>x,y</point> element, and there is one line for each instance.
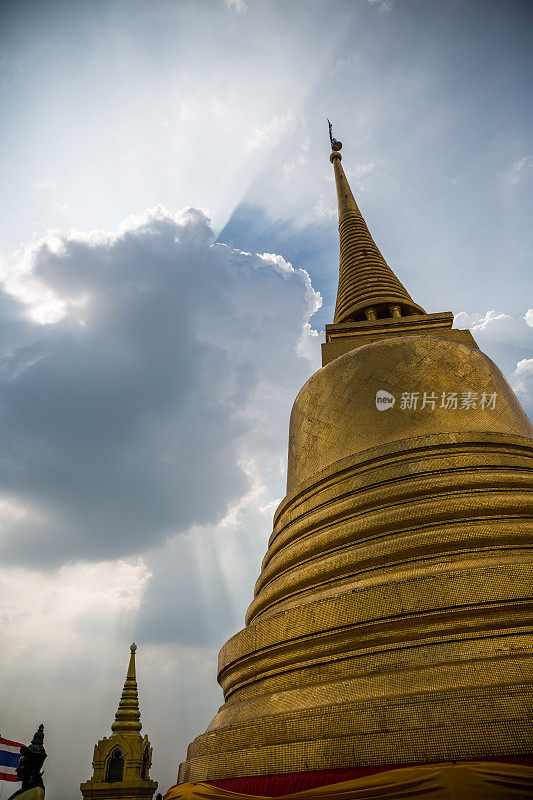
<point>393,617</point>
<point>392,621</point>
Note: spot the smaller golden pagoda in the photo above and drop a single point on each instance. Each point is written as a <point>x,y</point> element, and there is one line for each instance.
<point>122,761</point>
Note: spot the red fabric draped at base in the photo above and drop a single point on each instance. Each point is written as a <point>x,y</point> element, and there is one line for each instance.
<point>291,782</point>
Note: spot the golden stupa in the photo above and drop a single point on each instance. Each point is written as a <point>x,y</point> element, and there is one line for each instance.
<point>391,623</point>
<point>122,761</point>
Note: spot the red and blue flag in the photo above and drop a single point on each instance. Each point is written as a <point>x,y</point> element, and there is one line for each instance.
<point>9,759</point>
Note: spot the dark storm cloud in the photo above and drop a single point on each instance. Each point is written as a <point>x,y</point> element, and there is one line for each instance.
<point>123,422</point>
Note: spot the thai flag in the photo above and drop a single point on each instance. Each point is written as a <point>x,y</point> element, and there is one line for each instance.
<point>9,759</point>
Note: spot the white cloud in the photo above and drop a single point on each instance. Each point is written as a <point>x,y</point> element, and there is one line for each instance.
<point>148,416</point>
<point>45,184</point>
<point>498,328</point>
<point>270,134</point>
<point>309,346</point>
<point>236,5</point>
<point>519,170</point>
<point>46,613</point>
<point>325,209</point>
<point>131,415</point>
<point>383,5</point>
<point>522,382</point>
<point>294,164</point>
<point>61,207</point>
<point>508,340</point>
<point>63,652</point>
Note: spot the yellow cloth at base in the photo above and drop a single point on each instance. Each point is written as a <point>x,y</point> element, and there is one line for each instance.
<point>37,793</point>
<point>483,780</point>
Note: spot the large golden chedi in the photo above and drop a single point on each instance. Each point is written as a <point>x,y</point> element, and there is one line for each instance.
<point>392,618</point>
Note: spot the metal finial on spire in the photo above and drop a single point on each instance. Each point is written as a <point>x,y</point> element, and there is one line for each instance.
<point>335,144</point>
<point>133,647</point>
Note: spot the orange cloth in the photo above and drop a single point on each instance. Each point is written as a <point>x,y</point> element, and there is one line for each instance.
<point>481,780</point>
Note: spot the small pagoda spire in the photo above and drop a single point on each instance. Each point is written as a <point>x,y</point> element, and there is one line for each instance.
<point>128,716</point>
<point>368,288</point>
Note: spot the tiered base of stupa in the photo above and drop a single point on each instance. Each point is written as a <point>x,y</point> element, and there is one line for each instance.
<point>392,620</point>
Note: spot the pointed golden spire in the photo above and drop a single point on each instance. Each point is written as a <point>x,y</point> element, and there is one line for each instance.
<point>128,716</point>
<point>368,288</point>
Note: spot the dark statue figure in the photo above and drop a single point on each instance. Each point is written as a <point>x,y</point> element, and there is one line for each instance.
<point>29,768</point>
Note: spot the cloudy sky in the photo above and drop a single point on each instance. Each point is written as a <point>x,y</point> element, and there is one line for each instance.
<point>168,260</point>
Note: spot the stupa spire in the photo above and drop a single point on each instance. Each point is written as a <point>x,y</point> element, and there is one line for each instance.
<point>122,761</point>
<point>368,288</point>
<point>128,716</point>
